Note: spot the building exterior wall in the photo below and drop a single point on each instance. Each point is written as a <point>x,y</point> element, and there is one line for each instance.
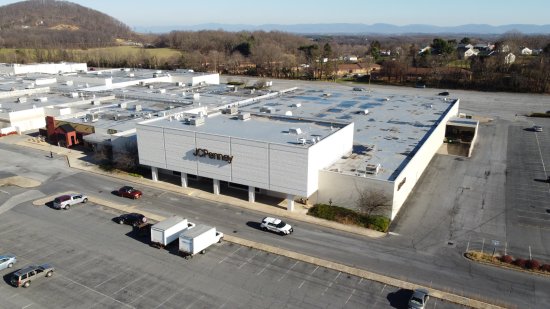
<point>290,169</point>
<point>30,119</point>
<point>326,153</point>
<point>344,189</point>
<point>408,177</point>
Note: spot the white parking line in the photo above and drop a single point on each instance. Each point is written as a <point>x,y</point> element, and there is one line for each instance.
<point>27,306</point>
<point>191,304</point>
<point>225,258</point>
<point>98,292</point>
<point>287,271</point>
<point>108,280</point>
<point>383,289</point>
<point>248,260</point>
<point>166,300</point>
<point>540,154</point>
<point>266,266</point>
<point>350,295</point>
<point>130,283</point>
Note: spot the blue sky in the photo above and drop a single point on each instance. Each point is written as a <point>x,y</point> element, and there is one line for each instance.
<point>140,13</point>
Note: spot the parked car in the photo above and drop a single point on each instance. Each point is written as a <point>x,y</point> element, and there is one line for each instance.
<point>133,219</point>
<point>537,128</point>
<point>129,192</point>
<point>276,225</point>
<point>444,93</point>
<point>25,276</point>
<point>418,299</point>
<point>7,261</point>
<point>66,201</point>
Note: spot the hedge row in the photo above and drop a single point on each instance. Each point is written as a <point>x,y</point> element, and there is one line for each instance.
<point>348,216</point>
<point>526,264</point>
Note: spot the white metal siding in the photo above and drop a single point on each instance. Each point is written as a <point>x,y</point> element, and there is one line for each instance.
<point>180,146</point>
<point>250,164</point>
<point>151,146</point>
<point>288,169</point>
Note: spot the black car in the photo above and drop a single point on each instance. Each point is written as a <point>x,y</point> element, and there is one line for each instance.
<point>133,219</point>
<point>445,93</point>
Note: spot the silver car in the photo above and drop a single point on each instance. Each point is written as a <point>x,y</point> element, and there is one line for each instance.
<point>7,261</point>
<point>25,276</point>
<point>66,201</point>
<point>418,299</point>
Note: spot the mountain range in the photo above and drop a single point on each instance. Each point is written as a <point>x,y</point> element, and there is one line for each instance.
<point>349,28</point>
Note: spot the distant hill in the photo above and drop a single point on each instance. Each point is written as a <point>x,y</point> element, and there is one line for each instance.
<point>50,23</point>
<point>343,28</point>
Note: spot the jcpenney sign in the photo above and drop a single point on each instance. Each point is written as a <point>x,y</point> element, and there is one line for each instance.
<point>201,152</point>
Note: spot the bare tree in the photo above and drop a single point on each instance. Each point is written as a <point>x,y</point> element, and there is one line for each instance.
<point>372,201</point>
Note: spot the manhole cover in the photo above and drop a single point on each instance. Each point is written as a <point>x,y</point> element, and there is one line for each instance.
<point>235,231</point>
<point>451,243</point>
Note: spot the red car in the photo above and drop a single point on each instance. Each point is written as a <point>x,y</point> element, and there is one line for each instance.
<point>129,192</point>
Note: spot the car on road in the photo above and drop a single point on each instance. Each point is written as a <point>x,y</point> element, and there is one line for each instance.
<point>25,276</point>
<point>418,299</point>
<point>537,128</point>
<point>7,261</point>
<point>66,201</point>
<point>444,93</point>
<point>129,192</point>
<point>276,225</point>
<point>133,219</point>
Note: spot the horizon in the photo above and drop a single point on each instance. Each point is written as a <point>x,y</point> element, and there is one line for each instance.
<point>146,14</point>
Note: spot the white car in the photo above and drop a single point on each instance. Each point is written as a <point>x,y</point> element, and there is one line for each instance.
<point>537,128</point>
<point>66,201</point>
<point>276,225</point>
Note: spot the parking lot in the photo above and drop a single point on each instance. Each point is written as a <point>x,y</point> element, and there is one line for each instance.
<point>100,264</point>
<point>527,191</point>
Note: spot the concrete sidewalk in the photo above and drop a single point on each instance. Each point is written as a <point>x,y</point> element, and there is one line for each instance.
<point>74,159</point>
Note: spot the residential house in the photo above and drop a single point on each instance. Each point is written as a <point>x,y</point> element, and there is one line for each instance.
<point>347,69</point>
<point>350,58</point>
<point>526,51</point>
<point>509,58</point>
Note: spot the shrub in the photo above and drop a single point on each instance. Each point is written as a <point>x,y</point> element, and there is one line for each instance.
<point>545,267</point>
<point>348,216</point>
<point>508,259</point>
<point>533,264</point>
<point>520,263</point>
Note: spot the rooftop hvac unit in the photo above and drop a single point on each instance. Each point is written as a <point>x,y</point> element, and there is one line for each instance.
<point>30,86</point>
<point>42,99</point>
<point>302,141</point>
<point>150,86</point>
<point>296,105</point>
<point>230,110</point>
<point>162,90</point>
<point>96,102</point>
<point>22,100</point>
<point>179,84</point>
<point>69,83</point>
<point>123,105</point>
<point>196,96</point>
<point>266,109</point>
<point>130,75</point>
<point>288,113</point>
<point>138,108</point>
<point>92,117</point>
<point>244,116</point>
<point>196,121</point>
<point>365,112</point>
<point>372,169</point>
<point>296,131</point>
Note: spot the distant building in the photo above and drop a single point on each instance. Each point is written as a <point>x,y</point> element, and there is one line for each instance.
<point>526,51</point>
<point>509,58</point>
<point>350,58</point>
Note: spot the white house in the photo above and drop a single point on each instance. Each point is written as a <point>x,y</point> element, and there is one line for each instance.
<point>509,58</point>
<point>526,51</point>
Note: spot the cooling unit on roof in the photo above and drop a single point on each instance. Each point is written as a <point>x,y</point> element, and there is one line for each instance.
<point>296,131</point>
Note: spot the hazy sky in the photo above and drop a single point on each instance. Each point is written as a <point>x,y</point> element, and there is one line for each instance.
<point>139,13</point>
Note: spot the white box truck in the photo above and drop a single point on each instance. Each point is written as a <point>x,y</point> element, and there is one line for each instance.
<point>168,230</point>
<point>197,239</point>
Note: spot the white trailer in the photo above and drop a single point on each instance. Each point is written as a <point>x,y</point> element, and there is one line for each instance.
<point>166,231</point>
<point>196,240</point>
